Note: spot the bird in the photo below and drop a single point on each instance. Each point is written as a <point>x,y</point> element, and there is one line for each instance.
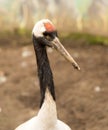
<point>44,34</point>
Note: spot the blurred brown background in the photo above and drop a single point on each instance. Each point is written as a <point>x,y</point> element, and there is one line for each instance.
<point>82,97</point>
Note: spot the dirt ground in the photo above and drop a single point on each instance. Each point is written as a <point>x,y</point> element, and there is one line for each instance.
<point>82,96</point>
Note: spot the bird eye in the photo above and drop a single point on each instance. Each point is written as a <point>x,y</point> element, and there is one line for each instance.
<point>48,36</point>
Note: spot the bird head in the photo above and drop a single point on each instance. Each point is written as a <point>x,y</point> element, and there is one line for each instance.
<point>46,33</point>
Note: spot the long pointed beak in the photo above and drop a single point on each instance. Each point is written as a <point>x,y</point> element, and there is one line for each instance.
<point>59,47</point>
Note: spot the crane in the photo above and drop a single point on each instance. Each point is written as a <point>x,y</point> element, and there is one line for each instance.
<point>45,35</point>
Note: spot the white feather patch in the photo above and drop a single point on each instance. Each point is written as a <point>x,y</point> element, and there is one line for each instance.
<point>39,27</point>
<point>46,118</point>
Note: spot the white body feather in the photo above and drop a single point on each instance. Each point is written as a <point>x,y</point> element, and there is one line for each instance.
<point>46,118</point>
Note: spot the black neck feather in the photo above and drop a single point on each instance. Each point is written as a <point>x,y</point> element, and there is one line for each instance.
<point>44,70</point>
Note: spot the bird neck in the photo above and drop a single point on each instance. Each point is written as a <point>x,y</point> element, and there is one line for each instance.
<point>47,115</point>
<point>44,70</point>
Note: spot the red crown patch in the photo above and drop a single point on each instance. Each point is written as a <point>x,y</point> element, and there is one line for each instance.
<point>49,27</point>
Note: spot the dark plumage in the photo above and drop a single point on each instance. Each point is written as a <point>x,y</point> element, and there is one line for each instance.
<point>45,34</point>
<point>44,70</point>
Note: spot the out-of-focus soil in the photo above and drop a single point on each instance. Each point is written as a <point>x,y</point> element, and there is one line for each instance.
<point>82,96</point>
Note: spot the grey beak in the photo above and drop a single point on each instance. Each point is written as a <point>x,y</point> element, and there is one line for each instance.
<point>60,48</point>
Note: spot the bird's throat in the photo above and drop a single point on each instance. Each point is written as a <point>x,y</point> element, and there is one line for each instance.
<point>48,113</point>
<point>44,71</point>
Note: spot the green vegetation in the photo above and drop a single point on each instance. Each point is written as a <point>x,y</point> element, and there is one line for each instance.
<point>15,37</point>
<point>23,37</point>
<point>86,38</point>
<point>22,32</point>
